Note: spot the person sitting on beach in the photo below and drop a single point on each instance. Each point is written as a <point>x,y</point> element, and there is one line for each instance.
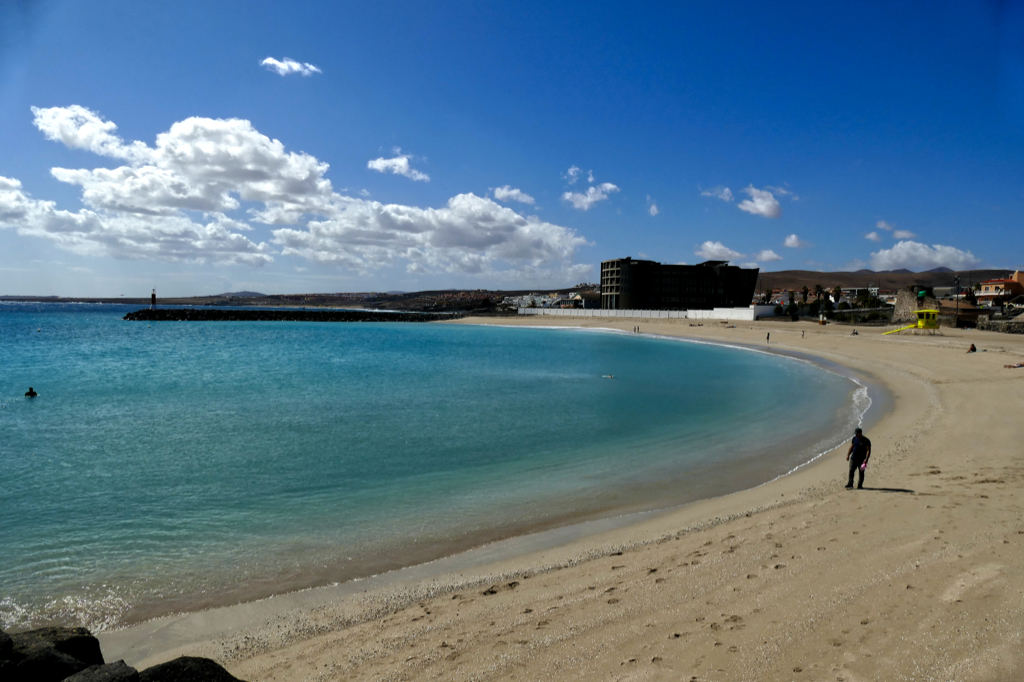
<point>858,456</point>
<point>30,393</point>
<point>972,349</point>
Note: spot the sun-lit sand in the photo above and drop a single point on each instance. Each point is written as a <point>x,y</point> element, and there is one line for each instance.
<point>918,577</point>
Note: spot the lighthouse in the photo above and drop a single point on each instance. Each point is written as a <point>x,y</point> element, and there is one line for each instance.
<point>152,300</point>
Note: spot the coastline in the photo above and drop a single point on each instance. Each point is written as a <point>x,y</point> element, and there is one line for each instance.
<point>305,631</point>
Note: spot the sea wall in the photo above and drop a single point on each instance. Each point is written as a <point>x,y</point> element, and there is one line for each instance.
<point>748,314</point>
<point>274,315</point>
<point>1004,326</point>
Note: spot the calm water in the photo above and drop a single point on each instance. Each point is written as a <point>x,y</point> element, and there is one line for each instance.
<point>179,465</point>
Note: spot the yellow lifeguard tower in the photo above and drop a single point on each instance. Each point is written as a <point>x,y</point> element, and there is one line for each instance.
<point>927,321</point>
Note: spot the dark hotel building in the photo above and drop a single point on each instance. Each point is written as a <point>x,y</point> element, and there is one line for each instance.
<point>628,284</point>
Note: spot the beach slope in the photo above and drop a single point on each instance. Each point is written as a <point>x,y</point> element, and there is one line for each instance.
<point>920,576</point>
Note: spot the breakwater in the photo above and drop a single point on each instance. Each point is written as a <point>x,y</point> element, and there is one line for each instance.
<point>263,315</point>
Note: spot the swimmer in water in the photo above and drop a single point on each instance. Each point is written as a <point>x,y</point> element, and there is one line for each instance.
<point>30,393</point>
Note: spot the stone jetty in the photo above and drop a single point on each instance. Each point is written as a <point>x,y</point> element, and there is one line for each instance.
<point>278,315</point>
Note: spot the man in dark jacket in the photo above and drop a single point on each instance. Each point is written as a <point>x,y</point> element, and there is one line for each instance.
<point>858,456</point>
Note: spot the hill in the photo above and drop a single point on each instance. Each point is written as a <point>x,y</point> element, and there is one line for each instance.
<point>896,279</point>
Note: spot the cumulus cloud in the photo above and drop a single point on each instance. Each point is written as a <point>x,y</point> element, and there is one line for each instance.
<point>470,234</point>
<point>590,176</point>
<point>584,200</point>
<point>761,202</point>
<point>873,236</point>
<point>170,202</point>
<point>915,256</point>
<point>399,165</point>
<point>717,251</point>
<point>287,67</point>
<point>766,256</point>
<point>723,193</point>
<point>882,225</point>
<point>794,242</point>
<point>652,207</point>
<point>903,234</point>
<point>507,194</point>
<point>572,175</point>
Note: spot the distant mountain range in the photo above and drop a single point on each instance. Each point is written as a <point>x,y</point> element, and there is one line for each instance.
<point>891,279</point>
<point>241,294</point>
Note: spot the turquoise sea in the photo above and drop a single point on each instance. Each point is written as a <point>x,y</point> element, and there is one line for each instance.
<point>174,466</point>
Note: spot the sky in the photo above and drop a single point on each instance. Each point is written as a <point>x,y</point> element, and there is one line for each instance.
<point>287,147</point>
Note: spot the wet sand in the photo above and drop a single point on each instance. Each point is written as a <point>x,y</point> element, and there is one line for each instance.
<point>918,576</point>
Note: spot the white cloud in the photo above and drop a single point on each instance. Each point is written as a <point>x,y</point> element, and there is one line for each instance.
<point>572,175</point>
<point>154,237</point>
<point>766,256</point>
<point>717,251</point>
<point>470,234</point>
<point>652,207</point>
<point>148,208</point>
<point>723,193</point>
<point>507,193</point>
<point>590,176</point>
<point>749,265</point>
<point>399,165</point>
<point>784,192</point>
<point>916,256</point>
<point>288,67</point>
<point>794,242</point>
<point>903,234</point>
<point>761,202</point>
<point>873,236</point>
<point>583,201</point>
<point>882,225</point>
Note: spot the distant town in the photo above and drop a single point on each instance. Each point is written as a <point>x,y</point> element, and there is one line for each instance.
<point>863,296</point>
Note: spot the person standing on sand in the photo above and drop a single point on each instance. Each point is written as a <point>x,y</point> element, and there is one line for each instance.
<point>768,338</point>
<point>858,456</point>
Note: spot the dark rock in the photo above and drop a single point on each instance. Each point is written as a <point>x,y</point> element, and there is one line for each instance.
<point>51,654</point>
<point>111,672</point>
<point>78,643</point>
<point>43,663</point>
<point>264,315</point>
<point>187,669</point>
<point>6,646</point>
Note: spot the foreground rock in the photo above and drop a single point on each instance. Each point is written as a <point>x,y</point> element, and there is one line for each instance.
<point>111,672</point>
<point>187,669</point>
<point>47,654</point>
<point>73,655</point>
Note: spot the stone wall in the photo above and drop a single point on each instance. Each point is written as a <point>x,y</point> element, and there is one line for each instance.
<point>1004,326</point>
<point>906,306</point>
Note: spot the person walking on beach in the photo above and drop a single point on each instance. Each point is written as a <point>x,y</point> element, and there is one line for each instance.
<point>858,456</point>
<point>768,338</point>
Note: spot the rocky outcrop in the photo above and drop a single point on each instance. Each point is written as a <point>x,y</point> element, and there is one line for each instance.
<point>49,654</point>
<point>111,672</point>
<point>73,655</point>
<point>275,315</point>
<point>187,669</point>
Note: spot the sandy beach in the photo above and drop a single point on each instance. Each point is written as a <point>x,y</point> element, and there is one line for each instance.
<point>920,576</point>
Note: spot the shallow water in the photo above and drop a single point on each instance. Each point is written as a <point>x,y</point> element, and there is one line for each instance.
<point>178,465</point>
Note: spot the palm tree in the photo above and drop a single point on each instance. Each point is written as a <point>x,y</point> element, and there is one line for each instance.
<point>819,291</point>
<point>804,292</point>
<point>837,293</point>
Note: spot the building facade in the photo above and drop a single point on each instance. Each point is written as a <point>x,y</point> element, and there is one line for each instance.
<point>628,284</point>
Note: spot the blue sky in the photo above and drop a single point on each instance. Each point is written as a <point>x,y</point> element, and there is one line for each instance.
<point>410,146</point>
